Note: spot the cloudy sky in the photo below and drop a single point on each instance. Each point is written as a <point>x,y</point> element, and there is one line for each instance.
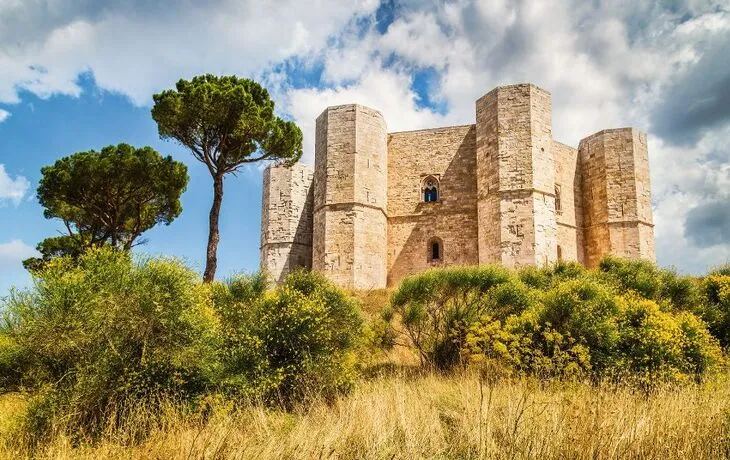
<point>80,74</point>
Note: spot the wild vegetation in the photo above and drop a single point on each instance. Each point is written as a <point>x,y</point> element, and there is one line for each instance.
<point>111,355</point>
<point>108,355</point>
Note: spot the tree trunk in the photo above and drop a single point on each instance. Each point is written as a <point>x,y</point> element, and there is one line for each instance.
<point>211,261</point>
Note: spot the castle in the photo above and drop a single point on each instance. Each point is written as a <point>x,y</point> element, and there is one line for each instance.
<point>379,206</point>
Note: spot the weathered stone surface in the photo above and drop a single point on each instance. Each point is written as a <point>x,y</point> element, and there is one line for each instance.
<point>446,154</point>
<point>286,220</point>
<point>616,195</point>
<point>350,197</point>
<point>516,177</point>
<point>507,193</point>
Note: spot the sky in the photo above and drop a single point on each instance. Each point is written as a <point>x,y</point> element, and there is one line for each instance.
<point>77,75</point>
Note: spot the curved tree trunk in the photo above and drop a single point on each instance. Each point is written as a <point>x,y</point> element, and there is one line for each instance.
<point>211,261</point>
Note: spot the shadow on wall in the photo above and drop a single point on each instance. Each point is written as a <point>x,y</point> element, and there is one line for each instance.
<point>300,255</point>
<point>452,219</point>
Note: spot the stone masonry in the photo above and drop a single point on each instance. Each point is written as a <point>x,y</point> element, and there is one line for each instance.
<point>507,193</point>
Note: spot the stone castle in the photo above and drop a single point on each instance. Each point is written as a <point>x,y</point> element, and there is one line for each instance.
<point>379,206</point>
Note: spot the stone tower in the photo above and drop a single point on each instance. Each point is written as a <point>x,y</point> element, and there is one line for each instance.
<point>350,197</point>
<point>617,211</point>
<point>286,220</point>
<point>515,177</point>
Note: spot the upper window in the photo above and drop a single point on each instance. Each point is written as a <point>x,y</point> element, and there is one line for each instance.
<point>430,189</point>
<point>558,204</point>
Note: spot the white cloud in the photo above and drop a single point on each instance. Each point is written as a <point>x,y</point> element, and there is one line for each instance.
<point>12,189</point>
<point>4,115</point>
<point>137,54</point>
<point>13,253</point>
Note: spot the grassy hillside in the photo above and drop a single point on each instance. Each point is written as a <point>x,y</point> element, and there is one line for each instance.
<point>438,417</point>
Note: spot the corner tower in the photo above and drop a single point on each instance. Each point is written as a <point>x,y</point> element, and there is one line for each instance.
<point>286,219</point>
<point>515,177</point>
<point>350,197</point>
<point>617,213</point>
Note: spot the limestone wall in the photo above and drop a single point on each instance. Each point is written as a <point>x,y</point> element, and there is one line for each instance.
<point>350,197</point>
<point>360,218</point>
<point>570,216</point>
<point>516,177</point>
<point>286,220</point>
<point>449,155</point>
<point>616,195</point>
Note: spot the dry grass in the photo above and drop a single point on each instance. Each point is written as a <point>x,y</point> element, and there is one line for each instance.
<point>438,417</point>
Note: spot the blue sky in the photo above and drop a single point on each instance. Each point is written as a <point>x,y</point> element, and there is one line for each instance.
<point>79,75</point>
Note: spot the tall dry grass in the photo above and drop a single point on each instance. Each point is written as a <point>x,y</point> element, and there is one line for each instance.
<point>434,417</point>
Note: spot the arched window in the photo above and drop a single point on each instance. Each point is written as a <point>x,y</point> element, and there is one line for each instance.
<point>430,189</point>
<point>435,250</point>
<point>558,203</point>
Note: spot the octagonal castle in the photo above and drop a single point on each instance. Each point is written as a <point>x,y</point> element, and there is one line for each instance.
<point>379,206</point>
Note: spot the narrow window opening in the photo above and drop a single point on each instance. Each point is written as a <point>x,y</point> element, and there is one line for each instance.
<point>560,253</point>
<point>435,251</point>
<point>558,203</point>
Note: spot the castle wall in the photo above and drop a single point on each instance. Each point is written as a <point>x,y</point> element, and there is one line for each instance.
<point>359,216</point>
<point>286,221</point>
<point>616,195</point>
<point>516,177</point>
<point>350,197</point>
<point>570,216</point>
<point>449,155</point>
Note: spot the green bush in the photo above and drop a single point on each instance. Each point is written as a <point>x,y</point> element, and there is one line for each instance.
<point>715,310</point>
<point>669,290</point>
<point>98,333</point>
<point>582,328</point>
<point>436,308</point>
<point>290,344</point>
<point>656,346</point>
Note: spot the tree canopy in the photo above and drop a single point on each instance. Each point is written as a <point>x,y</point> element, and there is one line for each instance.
<point>108,198</point>
<point>226,122</point>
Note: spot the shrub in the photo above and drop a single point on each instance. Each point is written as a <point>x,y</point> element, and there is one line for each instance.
<point>656,346</point>
<point>438,307</point>
<point>289,344</point>
<point>585,311</point>
<point>546,277</point>
<point>101,332</point>
<point>671,291</point>
<point>522,346</point>
<point>582,328</point>
<point>715,310</point>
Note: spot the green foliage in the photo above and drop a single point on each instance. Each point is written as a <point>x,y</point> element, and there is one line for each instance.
<point>655,345</point>
<point>671,291</point>
<point>586,311</point>
<point>225,122</point>
<point>290,344</point>
<point>99,333</point>
<point>437,307</point>
<point>715,310</point>
<point>545,278</point>
<point>583,329</point>
<point>108,198</point>
<point>626,320</point>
